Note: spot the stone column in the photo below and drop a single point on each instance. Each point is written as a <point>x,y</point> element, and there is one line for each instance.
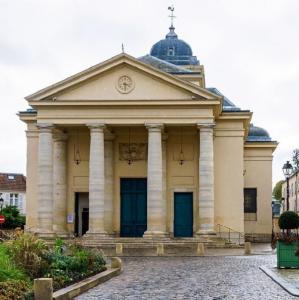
<point>109,183</point>
<point>164,178</point>
<point>156,217</point>
<point>96,181</point>
<point>59,184</point>
<point>206,179</point>
<point>45,180</point>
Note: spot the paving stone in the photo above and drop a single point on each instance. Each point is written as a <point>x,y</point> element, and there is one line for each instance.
<point>204,278</point>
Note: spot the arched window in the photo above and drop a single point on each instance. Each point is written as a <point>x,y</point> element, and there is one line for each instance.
<point>171,51</point>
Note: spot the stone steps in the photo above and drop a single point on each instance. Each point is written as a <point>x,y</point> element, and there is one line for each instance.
<point>127,247</point>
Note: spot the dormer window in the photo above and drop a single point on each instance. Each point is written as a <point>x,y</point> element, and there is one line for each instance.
<point>170,51</point>
<point>11,177</point>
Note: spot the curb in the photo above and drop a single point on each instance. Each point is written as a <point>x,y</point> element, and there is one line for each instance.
<point>280,281</point>
<point>80,287</point>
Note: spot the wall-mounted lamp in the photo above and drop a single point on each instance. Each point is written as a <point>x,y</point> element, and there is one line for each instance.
<point>181,156</point>
<point>77,156</point>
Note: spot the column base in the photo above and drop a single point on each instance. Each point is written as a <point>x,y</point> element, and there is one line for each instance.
<point>155,235</point>
<point>95,235</point>
<point>205,235</point>
<point>205,232</point>
<point>61,231</point>
<point>45,234</point>
<point>63,234</point>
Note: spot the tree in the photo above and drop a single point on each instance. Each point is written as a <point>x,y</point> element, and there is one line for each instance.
<point>295,159</point>
<point>277,190</point>
<point>13,218</point>
<point>288,220</point>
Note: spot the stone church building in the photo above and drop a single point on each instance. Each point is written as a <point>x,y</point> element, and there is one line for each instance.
<point>140,147</point>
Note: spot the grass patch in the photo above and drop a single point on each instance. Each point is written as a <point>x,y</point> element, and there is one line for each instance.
<point>8,270</point>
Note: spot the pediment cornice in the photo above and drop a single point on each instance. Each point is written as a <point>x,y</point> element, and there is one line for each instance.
<point>122,59</point>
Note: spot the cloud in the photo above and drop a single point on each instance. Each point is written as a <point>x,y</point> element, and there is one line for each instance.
<point>250,51</point>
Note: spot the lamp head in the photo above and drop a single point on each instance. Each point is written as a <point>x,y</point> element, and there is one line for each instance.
<point>287,169</point>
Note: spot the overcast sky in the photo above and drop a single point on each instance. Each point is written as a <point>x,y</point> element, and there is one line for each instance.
<point>250,51</point>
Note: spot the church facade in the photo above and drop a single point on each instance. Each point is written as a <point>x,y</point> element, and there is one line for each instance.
<point>140,147</point>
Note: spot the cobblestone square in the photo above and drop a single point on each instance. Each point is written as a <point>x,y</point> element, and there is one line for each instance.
<point>218,277</point>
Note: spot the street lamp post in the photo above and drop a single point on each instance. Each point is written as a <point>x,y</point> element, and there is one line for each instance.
<point>287,171</point>
<point>1,206</point>
<point>1,203</point>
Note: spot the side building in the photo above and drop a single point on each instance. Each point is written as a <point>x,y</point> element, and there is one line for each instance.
<point>293,192</point>
<point>13,190</point>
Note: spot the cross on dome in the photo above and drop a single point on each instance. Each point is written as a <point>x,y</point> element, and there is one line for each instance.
<point>172,16</point>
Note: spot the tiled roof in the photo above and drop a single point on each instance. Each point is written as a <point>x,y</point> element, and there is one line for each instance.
<point>227,104</point>
<point>12,182</point>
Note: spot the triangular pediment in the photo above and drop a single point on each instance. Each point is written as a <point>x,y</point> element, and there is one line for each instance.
<point>122,78</point>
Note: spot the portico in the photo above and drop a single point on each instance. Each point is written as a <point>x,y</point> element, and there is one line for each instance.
<point>105,142</point>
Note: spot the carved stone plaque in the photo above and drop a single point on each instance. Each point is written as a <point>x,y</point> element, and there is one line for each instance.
<point>133,151</point>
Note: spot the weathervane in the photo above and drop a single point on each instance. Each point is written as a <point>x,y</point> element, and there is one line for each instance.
<point>171,8</point>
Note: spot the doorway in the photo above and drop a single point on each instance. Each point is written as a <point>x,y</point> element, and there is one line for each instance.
<point>183,214</point>
<point>81,213</point>
<point>133,207</point>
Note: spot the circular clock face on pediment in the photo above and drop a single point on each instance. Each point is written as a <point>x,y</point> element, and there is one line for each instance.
<point>125,84</point>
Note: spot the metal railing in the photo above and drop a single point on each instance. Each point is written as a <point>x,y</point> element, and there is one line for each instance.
<point>231,235</point>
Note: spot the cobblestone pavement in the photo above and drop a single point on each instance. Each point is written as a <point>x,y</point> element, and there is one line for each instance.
<point>230,277</point>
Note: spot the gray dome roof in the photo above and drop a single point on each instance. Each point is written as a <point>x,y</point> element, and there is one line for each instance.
<point>174,50</point>
<point>163,65</point>
<point>257,134</point>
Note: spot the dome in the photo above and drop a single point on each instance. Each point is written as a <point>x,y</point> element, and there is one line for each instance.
<point>258,134</point>
<point>174,50</point>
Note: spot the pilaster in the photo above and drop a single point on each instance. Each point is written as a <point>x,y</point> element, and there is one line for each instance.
<point>109,182</point>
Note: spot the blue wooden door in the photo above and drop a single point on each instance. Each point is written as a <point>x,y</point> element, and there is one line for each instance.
<point>133,207</point>
<point>183,214</point>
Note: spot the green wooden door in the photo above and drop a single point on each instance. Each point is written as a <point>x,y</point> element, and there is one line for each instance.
<point>183,214</point>
<point>133,207</point>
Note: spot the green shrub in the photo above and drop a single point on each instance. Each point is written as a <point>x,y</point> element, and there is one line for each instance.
<point>288,220</point>
<point>13,219</point>
<point>14,290</point>
<point>28,251</point>
<point>71,263</point>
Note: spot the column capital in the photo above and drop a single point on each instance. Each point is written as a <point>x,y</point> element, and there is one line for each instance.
<point>46,127</point>
<point>108,135</point>
<point>99,127</point>
<point>60,137</point>
<point>164,137</point>
<point>205,125</point>
<point>154,126</point>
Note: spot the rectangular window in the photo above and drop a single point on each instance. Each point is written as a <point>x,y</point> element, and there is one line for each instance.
<point>250,204</point>
<point>292,190</point>
<point>11,199</point>
<point>16,200</point>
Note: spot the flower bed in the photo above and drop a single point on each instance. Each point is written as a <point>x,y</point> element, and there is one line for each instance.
<point>30,258</point>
